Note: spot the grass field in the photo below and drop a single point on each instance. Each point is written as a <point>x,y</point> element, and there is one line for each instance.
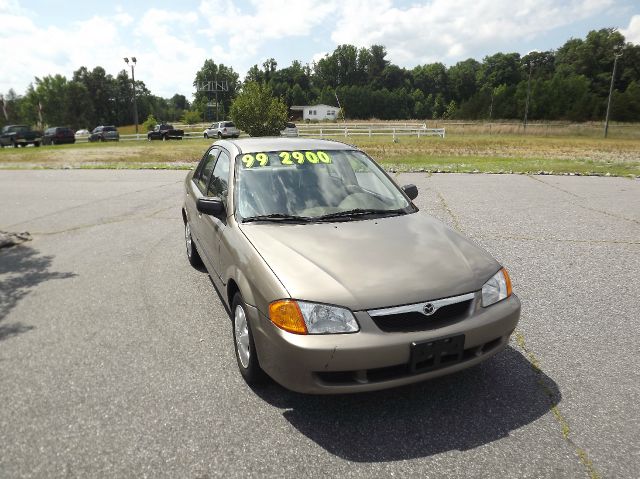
<point>456,153</point>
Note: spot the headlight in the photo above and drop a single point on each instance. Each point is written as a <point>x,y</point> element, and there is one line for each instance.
<point>496,289</point>
<point>301,317</point>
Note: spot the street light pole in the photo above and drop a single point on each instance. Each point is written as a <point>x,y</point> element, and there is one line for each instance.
<point>133,82</point>
<point>613,76</point>
<point>526,105</point>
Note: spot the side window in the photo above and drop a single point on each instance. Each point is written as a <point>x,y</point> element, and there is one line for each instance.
<point>204,174</point>
<point>219,185</point>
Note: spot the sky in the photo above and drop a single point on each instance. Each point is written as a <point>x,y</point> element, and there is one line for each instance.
<point>172,39</point>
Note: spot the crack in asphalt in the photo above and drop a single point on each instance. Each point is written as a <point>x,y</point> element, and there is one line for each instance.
<point>445,205</point>
<point>556,240</point>
<point>565,429</point>
<point>64,210</point>
<point>108,221</point>
<point>588,208</point>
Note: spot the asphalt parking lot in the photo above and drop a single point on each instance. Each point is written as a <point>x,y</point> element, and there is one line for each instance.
<point>116,357</point>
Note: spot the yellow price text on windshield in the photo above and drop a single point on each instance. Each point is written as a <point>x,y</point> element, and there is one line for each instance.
<point>287,158</point>
<point>300,157</point>
<point>249,161</point>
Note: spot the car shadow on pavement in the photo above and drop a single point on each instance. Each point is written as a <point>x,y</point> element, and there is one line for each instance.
<point>21,269</point>
<point>457,412</point>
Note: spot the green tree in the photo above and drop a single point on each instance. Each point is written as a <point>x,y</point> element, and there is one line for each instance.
<point>210,72</point>
<point>149,124</point>
<point>256,111</point>
<point>191,117</point>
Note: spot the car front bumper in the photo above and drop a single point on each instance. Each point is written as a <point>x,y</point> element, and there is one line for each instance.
<point>372,359</point>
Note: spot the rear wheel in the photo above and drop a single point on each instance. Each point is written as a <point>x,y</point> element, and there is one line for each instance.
<point>219,135</point>
<point>244,346</point>
<point>192,253</point>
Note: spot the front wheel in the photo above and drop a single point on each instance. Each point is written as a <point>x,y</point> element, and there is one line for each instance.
<point>192,252</point>
<point>244,346</point>
<point>219,135</point>
<point>206,137</point>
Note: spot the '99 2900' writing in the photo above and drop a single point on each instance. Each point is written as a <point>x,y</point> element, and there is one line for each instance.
<point>286,158</point>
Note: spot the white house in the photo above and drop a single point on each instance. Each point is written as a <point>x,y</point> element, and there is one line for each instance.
<point>317,112</point>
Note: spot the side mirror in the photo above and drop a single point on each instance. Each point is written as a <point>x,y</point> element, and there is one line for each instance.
<point>411,191</point>
<point>210,206</point>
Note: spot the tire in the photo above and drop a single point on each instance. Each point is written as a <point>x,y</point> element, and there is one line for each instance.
<point>192,252</point>
<point>219,135</point>
<point>53,142</point>
<point>164,137</point>
<point>36,144</point>
<point>15,145</point>
<point>244,346</point>
<point>206,137</point>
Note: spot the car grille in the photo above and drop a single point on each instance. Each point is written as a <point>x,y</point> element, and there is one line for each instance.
<point>413,321</point>
<point>416,321</point>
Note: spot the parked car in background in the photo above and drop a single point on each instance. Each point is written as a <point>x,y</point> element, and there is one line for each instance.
<point>290,129</point>
<point>57,135</point>
<point>165,131</point>
<point>335,281</point>
<point>104,133</point>
<point>222,129</point>
<point>82,132</point>
<point>19,135</point>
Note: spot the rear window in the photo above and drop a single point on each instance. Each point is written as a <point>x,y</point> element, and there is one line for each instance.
<point>290,125</point>
<point>109,128</point>
<point>228,124</point>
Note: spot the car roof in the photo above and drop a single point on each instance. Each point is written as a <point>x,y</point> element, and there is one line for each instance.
<point>278,143</point>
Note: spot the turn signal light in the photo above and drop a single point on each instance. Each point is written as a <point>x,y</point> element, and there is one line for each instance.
<point>286,315</point>
<point>508,281</point>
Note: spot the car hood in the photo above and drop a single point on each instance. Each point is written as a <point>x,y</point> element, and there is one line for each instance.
<point>372,263</point>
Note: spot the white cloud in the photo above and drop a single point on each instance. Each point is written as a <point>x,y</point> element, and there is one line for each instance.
<point>446,30</point>
<point>168,55</point>
<point>632,33</point>
<point>237,35</point>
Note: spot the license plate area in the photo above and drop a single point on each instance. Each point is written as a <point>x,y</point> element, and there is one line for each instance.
<point>436,353</point>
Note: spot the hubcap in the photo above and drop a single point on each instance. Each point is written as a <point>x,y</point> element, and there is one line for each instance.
<point>242,335</point>
<point>187,238</point>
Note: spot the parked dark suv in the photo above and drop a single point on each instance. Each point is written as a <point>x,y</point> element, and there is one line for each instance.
<point>57,135</point>
<point>104,133</point>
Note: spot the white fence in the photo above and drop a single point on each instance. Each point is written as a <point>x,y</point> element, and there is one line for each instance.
<point>369,130</point>
<point>329,130</point>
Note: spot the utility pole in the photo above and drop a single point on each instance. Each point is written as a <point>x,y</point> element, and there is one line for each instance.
<point>526,105</point>
<point>613,76</point>
<point>133,82</point>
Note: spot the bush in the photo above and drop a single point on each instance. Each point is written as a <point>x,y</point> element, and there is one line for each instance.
<point>257,112</point>
<point>150,123</point>
<point>191,117</point>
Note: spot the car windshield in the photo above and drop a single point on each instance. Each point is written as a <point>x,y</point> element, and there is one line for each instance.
<point>314,185</point>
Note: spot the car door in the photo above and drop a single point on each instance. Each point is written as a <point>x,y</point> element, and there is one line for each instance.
<point>197,188</point>
<point>213,228</point>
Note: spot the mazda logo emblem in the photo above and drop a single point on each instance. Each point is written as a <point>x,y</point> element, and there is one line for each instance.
<point>429,309</point>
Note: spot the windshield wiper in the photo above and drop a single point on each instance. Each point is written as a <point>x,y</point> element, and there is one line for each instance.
<point>278,217</point>
<point>361,212</point>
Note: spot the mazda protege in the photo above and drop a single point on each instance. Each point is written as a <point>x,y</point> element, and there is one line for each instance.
<point>335,281</point>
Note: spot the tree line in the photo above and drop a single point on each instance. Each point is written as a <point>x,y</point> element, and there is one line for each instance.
<point>570,83</point>
<point>89,98</point>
